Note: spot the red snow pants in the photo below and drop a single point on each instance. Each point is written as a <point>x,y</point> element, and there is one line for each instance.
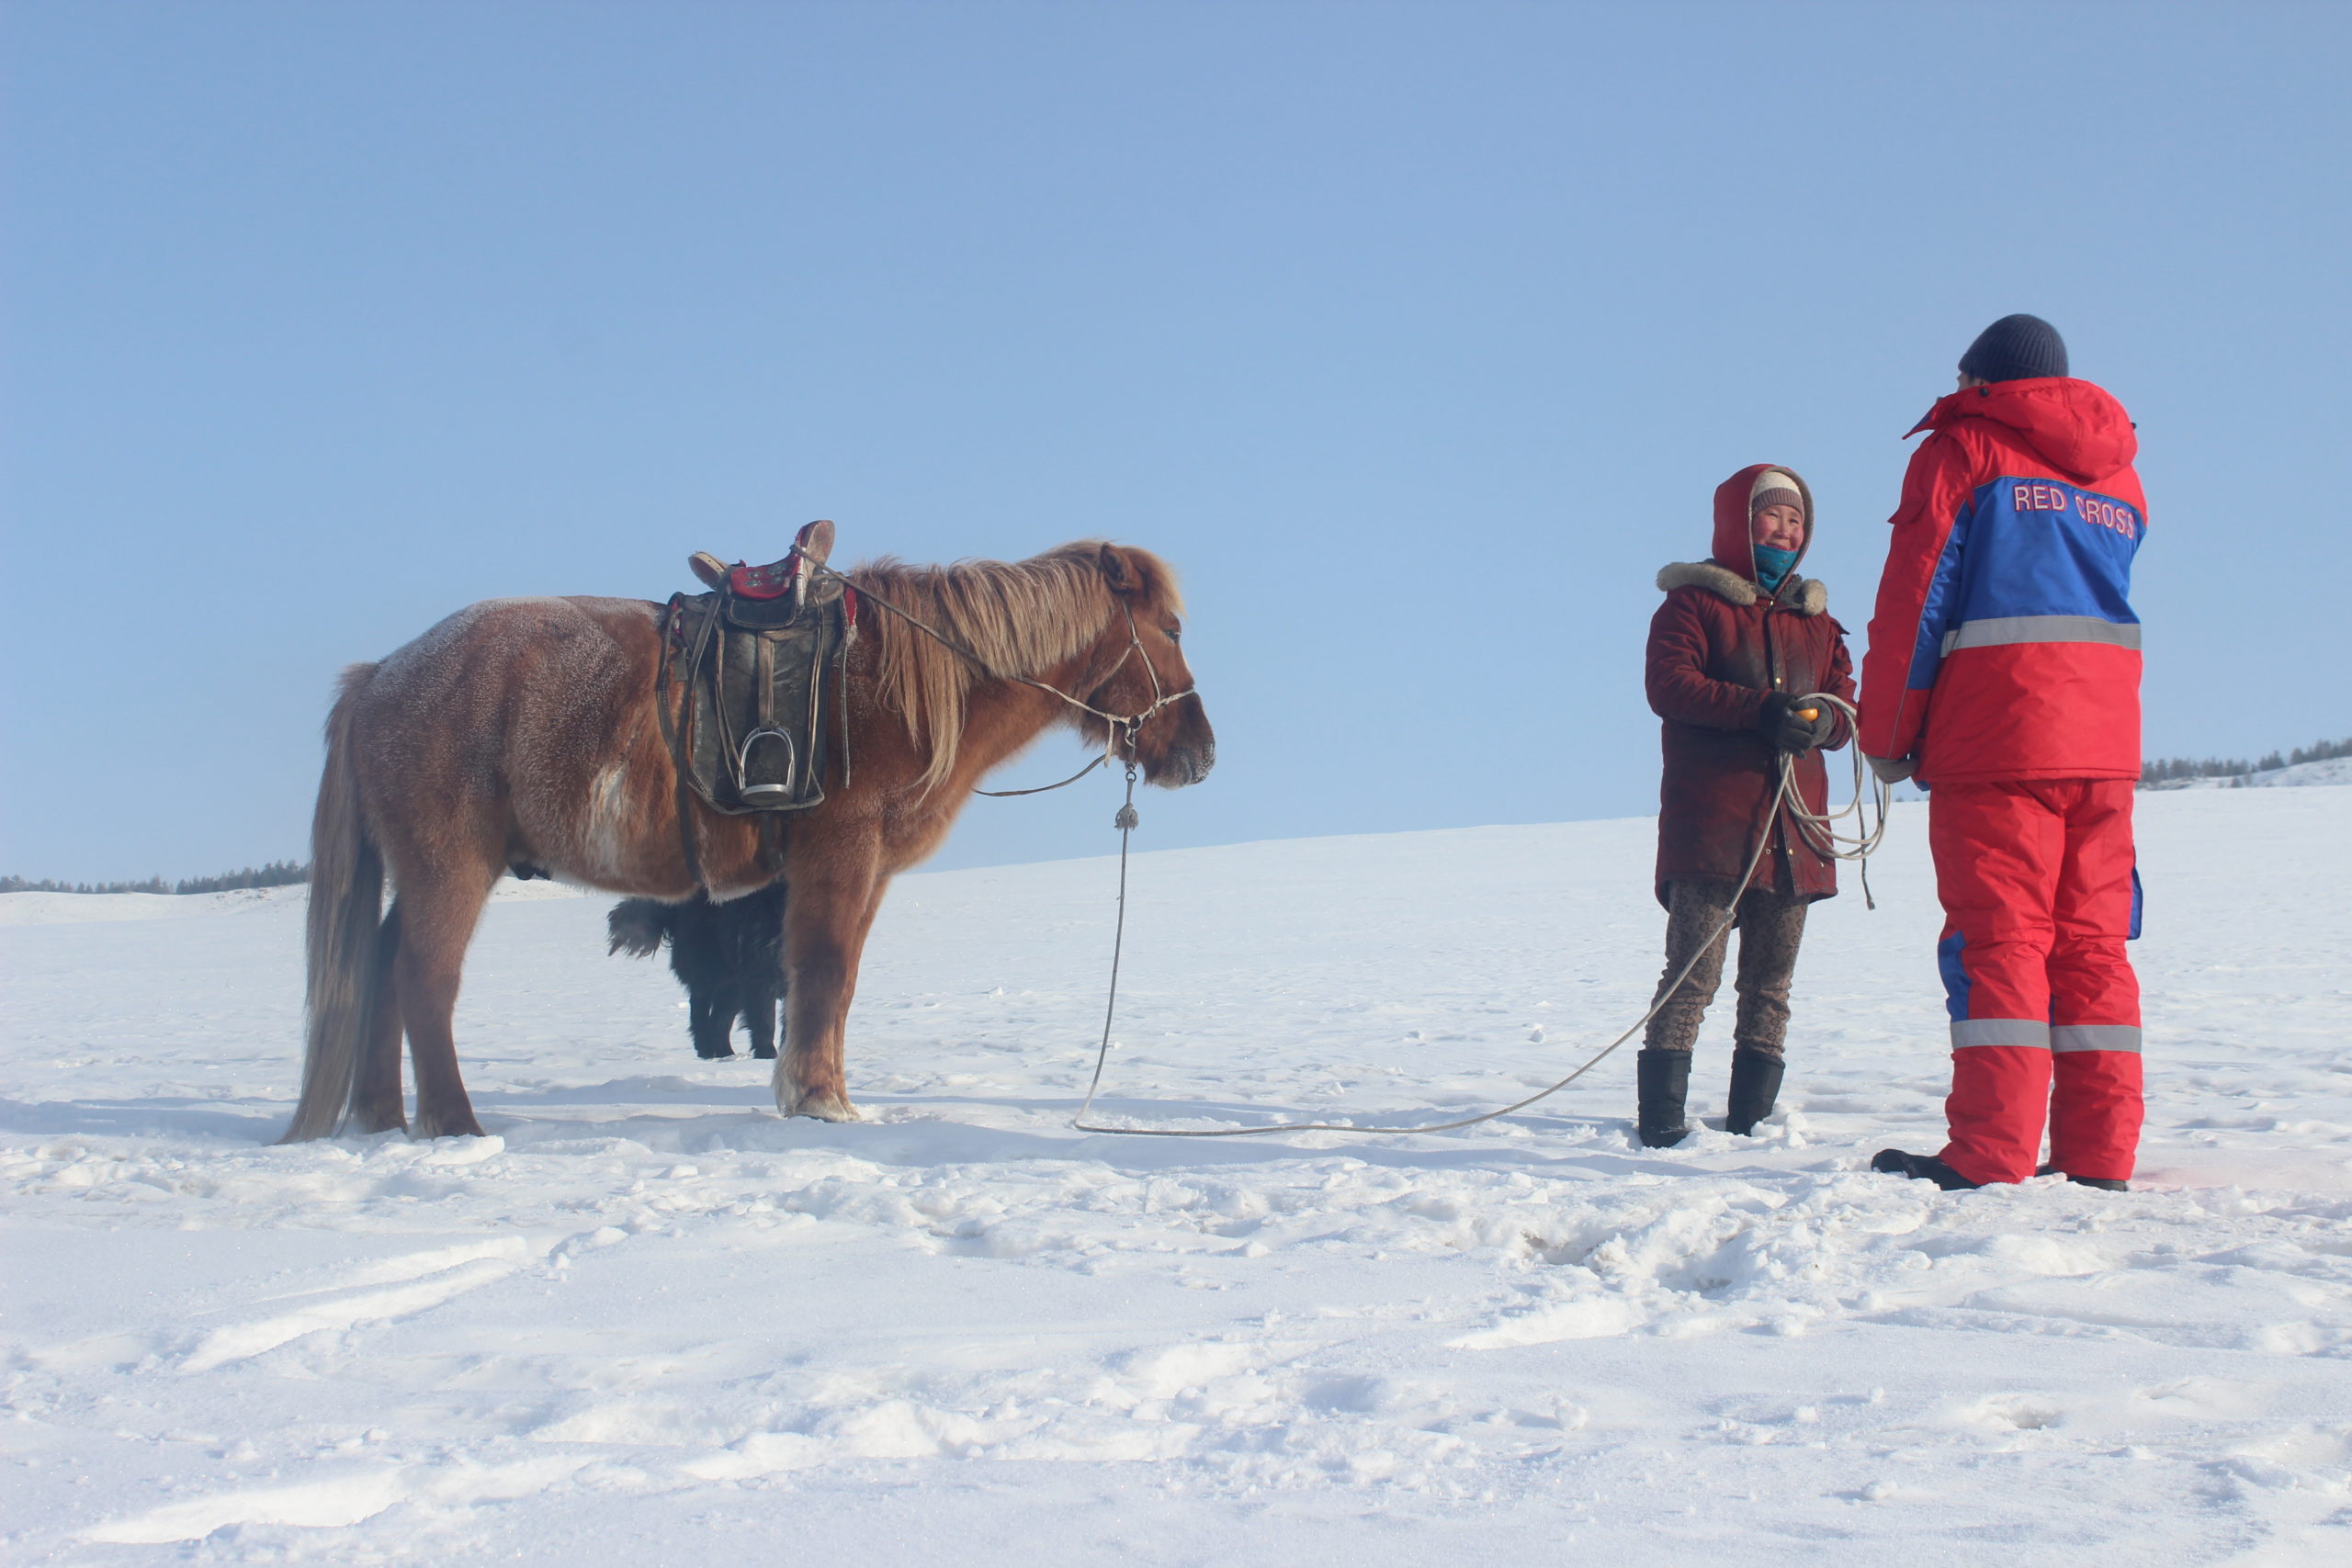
<point>2038,895</point>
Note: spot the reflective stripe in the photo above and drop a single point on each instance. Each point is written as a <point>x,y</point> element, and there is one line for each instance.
<point>2094,1037</point>
<point>1997,630</point>
<point>2028,1031</point>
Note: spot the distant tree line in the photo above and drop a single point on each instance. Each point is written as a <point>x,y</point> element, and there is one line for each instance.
<point>285,872</point>
<point>2172,768</point>
<point>277,873</point>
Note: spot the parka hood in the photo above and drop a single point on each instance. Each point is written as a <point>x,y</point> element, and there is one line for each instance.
<point>2076,424</point>
<point>1735,545</point>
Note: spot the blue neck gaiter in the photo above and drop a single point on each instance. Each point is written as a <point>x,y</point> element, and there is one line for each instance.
<point>1773,566</point>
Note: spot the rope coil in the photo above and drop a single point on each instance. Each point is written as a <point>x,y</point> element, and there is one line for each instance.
<point>1820,833</point>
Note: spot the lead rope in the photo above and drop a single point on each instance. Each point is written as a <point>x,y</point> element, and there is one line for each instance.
<point>1126,822</point>
<point>1809,823</point>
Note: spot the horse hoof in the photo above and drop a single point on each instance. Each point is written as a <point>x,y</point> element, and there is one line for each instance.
<point>463,1126</point>
<point>766,1055</point>
<point>824,1108</point>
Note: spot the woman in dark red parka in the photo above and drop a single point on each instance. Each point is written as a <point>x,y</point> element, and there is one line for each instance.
<point>1739,638</point>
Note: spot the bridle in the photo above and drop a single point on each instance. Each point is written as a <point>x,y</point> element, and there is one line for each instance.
<point>1121,729</point>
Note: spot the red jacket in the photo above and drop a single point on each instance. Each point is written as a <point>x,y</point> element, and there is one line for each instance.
<point>1717,646</point>
<point>2004,645</point>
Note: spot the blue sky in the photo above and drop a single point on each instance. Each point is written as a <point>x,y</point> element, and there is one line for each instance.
<point>1417,335</point>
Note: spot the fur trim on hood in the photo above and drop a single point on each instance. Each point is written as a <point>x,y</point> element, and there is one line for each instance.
<point>1805,595</point>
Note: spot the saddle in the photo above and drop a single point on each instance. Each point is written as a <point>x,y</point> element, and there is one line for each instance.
<point>743,686</point>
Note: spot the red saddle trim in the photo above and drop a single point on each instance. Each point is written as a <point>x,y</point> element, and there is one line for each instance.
<point>776,579</point>
<point>775,582</point>
<point>771,582</point>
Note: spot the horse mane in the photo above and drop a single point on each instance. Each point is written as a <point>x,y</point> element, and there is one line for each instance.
<point>1023,617</point>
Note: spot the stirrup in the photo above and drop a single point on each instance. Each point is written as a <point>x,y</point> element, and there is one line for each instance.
<point>762,793</point>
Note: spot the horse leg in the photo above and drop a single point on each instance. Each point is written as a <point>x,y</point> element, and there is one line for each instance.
<point>436,923</point>
<point>376,1104</point>
<point>825,923</point>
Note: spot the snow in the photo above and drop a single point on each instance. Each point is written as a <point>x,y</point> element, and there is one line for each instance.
<point>648,1322</point>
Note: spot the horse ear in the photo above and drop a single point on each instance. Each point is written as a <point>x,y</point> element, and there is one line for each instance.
<point>1120,572</point>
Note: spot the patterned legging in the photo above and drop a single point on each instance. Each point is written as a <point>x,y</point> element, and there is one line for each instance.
<point>1770,928</point>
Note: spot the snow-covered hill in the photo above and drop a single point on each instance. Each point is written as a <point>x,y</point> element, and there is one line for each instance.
<point>2327,771</point>
<point>648,1322</point>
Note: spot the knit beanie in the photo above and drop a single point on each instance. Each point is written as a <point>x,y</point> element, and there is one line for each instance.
<point>2016,348</point>
<point>1773,488</point>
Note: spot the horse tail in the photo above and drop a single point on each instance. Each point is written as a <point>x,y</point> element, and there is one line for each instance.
<point>348,958</point>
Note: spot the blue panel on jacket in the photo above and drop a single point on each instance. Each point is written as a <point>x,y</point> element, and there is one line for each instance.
<point>2029,547</point>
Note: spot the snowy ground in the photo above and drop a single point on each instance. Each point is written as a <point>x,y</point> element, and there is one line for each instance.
<point>648,1322</point>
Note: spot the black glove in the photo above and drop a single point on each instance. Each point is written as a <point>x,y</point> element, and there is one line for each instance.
<point>1779,724</point>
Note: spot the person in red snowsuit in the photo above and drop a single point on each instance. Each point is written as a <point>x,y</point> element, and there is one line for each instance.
<point>2003,675</point>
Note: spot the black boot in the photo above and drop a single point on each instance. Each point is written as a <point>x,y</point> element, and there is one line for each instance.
<point>2104,1183</point>
<point>1920,1167</point>
<point>1664,1078</point>
<point>1755,1084</point>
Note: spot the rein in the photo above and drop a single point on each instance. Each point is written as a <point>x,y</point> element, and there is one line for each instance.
<point>1041,789</point>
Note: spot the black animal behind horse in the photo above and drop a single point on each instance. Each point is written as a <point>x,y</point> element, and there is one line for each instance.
<point>730,957</point>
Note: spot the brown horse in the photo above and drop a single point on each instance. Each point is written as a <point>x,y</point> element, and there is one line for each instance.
<point>525,732</point>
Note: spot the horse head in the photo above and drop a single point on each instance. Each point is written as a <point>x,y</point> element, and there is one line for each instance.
<point>1174,745</point>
